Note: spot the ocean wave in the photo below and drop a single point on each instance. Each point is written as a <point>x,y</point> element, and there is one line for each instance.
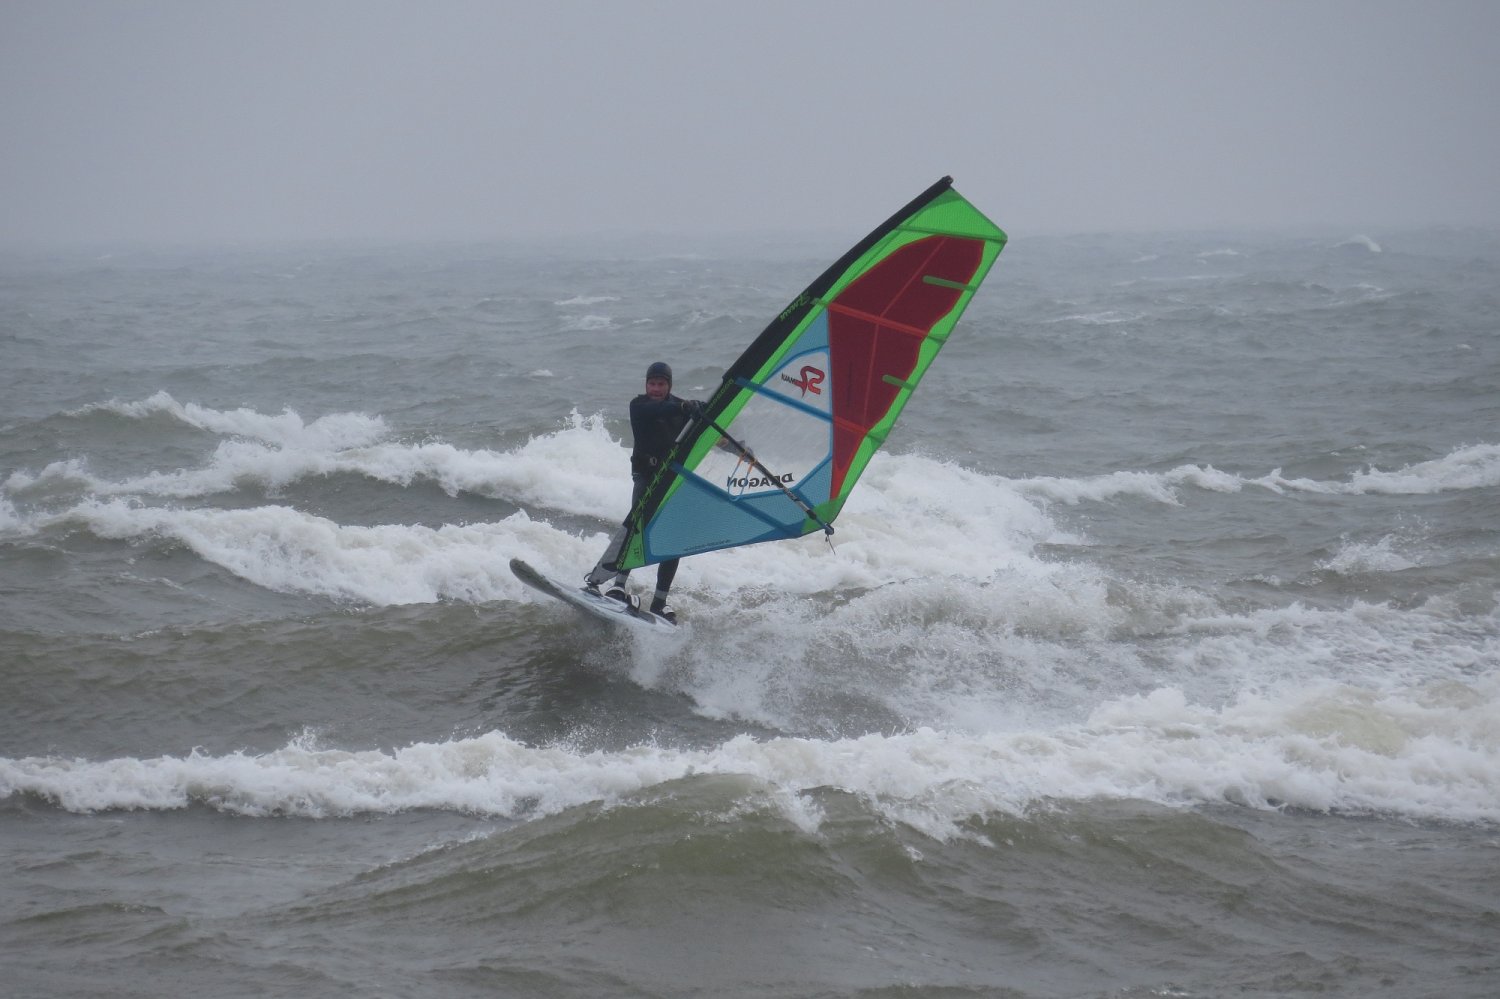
<point>286,550</point>
<point>556,470</point>
<point>586,300</point>
<point>1107,318</point>
<point>1159,486</point>
<point>1429,752</point>
<point>1354,558</point>
<point>10,519</point>
<point>1359,241</point>
<point>331,432</point>
<point>913,517</point>
<point>588,323</point>
<point>923,548</point>
<point>904,524</point>
<point>1468,467</point>
<point>1471,467</point>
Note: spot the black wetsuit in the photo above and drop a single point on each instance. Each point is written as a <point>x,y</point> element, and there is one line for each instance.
<point>654,425</point>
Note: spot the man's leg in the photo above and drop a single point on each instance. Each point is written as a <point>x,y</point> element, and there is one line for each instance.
<point>665,573</point>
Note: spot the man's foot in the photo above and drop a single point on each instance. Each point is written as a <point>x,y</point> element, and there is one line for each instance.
<point>618,593</point>
<point>661,610</point>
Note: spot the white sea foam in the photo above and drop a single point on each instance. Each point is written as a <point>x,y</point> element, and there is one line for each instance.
<point>577,469</point>
<point>1469,467</point>
<point>10,520</point>
<point>1472,467</point>
<point>912,517</point>
<point>1042,642</point>
<point>1359,241</point>
<point>336,430</point>
<point>935,573</point>
<point>560,470</point>
<point>1428,752</point>
<point>1108,318</point>
<point>589,322</point>
<point>284,549</point>
<point>1159,486</point>
<point>930,548</point>
<point>1362,557</point>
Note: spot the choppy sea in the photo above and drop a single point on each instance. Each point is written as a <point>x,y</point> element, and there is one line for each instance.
<point>1157,655</point>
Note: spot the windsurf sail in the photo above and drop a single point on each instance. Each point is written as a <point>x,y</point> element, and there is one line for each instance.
<point>782,441</point>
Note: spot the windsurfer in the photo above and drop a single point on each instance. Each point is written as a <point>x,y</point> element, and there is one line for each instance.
<point>656,418</point>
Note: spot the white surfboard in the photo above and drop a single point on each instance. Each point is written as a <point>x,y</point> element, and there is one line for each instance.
<point>592,603</point>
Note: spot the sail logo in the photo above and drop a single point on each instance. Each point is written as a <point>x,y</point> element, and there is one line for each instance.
<point>809,381</point>
<point>797,303</point>
<point>756,481</point>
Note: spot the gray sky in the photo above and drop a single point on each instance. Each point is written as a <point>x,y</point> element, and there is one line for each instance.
<point>230,119</point>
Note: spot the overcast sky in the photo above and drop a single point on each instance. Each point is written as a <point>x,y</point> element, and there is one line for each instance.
<point>275,119</point>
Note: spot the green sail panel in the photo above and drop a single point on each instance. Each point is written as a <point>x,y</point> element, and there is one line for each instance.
<point>799,415</point>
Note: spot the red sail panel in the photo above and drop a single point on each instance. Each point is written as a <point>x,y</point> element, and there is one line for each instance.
<point>875,329</point>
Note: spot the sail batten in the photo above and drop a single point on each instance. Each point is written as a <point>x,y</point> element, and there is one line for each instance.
<point>945,283</point>
<point>800,413</point>
<point>881,322</point>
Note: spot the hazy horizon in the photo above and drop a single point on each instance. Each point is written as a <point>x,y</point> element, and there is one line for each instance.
<point>161,121</point>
